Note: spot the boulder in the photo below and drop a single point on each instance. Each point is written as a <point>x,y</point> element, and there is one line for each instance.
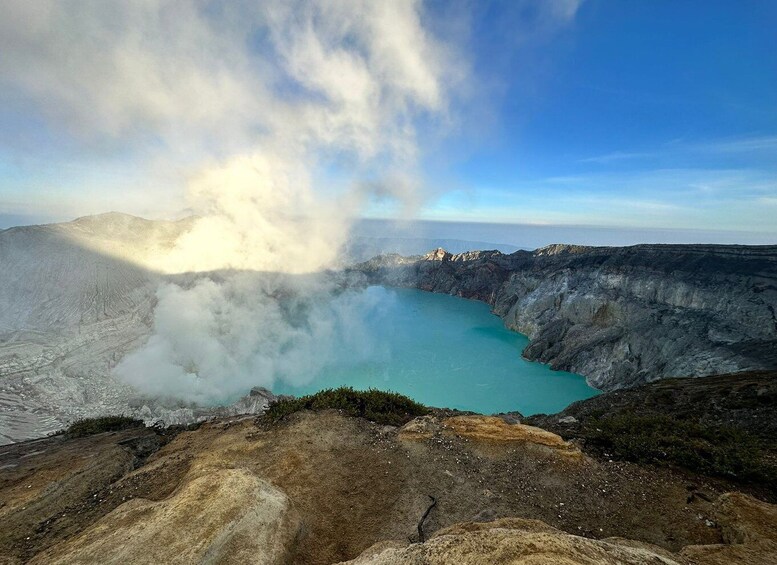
<point>515,541</point>
<point>223,516</point>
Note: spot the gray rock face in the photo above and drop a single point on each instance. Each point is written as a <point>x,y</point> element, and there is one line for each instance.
<point>621,316</point>
<point>74,299</point>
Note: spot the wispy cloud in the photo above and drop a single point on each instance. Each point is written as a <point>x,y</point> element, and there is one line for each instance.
<point>617,156</point>
<point>728,199</point>
<point>626,204</point>
<point>757,145</point>
<point>565,9</point>
<point>739,145</point>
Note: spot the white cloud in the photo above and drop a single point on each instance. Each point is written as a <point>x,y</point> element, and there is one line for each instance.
<point>750,145</point>
<point>565,9</point>
<point>730,199</point>
<point>617,156</point>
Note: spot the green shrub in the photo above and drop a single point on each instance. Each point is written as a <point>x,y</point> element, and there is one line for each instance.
<point>91,426</point>
<point>387,408</point>
<point>658,439</point>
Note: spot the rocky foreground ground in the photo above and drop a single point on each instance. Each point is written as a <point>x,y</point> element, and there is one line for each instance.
<point>323,487</point>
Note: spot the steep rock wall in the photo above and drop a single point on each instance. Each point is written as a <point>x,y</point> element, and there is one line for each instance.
<point>621,316</point>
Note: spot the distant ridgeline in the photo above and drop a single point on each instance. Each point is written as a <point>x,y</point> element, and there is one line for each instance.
<point>621,316</point>
<point>362,248</point>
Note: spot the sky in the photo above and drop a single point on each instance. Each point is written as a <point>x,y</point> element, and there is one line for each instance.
<point>634,115</point>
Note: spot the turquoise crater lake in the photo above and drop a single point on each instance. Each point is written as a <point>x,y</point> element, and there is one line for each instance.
<point>449,352</point>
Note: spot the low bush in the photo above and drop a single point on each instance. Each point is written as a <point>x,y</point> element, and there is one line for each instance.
<point>378,406</point>
<point>657,439</point>
<point>91,426</point>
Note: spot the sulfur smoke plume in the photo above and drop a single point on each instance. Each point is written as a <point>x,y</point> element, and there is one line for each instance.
<point>284,118</point>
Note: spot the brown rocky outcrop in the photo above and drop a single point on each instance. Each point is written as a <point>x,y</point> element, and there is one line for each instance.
<point>320,488</point>
<point>221,516</point>
<point>749,528</point>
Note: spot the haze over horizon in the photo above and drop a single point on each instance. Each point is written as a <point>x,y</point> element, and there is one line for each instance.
<point>607,122</point>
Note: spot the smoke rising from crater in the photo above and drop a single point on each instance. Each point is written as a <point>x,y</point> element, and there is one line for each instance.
<point>213,341</point>
<point>258,114</point>
<point>275,122</point>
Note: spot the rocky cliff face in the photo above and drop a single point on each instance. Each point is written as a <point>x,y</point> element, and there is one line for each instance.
<point>621,316</point>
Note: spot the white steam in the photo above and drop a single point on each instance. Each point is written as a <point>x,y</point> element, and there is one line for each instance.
<point>267,92</point>
<point>260,213</point>
<point>284,118</point>
<point>214,341</point>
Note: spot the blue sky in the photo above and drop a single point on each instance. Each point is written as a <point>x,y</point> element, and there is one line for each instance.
<point>651,113</point>
<point>638,114</point>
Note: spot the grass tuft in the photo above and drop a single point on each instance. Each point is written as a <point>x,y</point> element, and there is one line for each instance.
<point>91,426</point>
<point>387,408</point>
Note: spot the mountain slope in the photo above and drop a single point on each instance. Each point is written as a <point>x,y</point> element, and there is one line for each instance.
<point>74,297</point>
